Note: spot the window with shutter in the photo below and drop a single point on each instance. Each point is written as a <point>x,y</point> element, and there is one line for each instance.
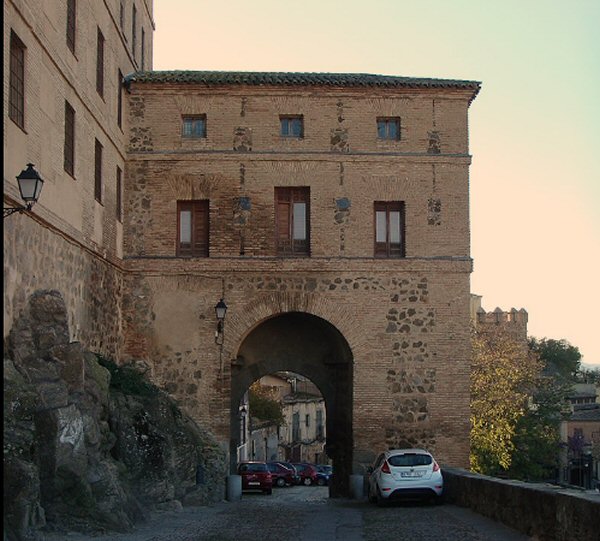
<point>389,229</point>
<point>100,64</point>
<point>69,143</point>
<point>16,97</point>
<point>192,228</point>
<point>292,216</point>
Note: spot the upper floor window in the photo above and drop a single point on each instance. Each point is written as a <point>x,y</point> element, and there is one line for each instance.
<point>194,126</point>
<point>388,128</point>
<point>133,30</point>
<point>122,17</point>
<point>119,187</point>
<point>100,64</point>
<point>389,229</point>
<point>292,126</point>
<point>71,24</point>
<point>292,221</point>
<point>69,146</point>
<point>98,171</point>
<point>143,46</point>
<point>192,228</point>
<point>16,100</point>
<point>119,99</point>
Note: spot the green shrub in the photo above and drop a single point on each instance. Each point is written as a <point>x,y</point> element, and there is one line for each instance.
<point>126,379</point>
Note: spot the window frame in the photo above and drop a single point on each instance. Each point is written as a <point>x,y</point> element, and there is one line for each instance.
<point>386,250</point>
<point>133,30</point>
<point>69,141</point>
<point>193,119</point>
<point>197,207</point>
<point>142,47</point>
<point>16,93</point>
<point>98,148</point>
<point>291,119</point>
<point>289,195</point>
<point>100,63</point>
<point>119,195</point>
<point>388,120</point>
<point>120,100</point>
<point>71,33</point>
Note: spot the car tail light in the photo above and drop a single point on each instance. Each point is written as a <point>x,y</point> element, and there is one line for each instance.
<point>385,468</point>
<point>436,466</point>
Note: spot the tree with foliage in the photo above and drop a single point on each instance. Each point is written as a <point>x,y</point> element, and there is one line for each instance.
<point>559,356</point>
<point>264,405</point>
<point>503,377</point>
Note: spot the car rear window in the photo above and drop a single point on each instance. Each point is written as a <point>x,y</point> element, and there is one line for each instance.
<point>410,459</point>
<point>253,467</point>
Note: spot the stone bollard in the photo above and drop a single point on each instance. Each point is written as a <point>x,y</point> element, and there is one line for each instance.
<point>234,488</point>
<point>357,487</point>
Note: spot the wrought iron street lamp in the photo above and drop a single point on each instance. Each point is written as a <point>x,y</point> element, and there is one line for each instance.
<point>220,311</point>
<point>30,186</point>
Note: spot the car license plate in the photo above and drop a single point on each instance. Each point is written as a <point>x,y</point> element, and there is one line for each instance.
<point>411,474</point>
<point>254,482</point>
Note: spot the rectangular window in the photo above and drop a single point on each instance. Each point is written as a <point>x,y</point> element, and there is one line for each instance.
<point>192,228</point>
<point>122,17</point>
<point>71,24</point>
<point>296,427</point>
<point>194,126</point>
<point>100,64</point>
<point>120,99</point>
<point>98,171</point>
<point>69,146</point>
<point>320,432</point>
<point>133,31</point>
<point>307,420</point>
<point>292,126</point>
<point>143,61</point>
<point>292,221</point>
<point>388,128</point>
<point>389,229</point>
<point>119,205</point>
<point>16,101</point>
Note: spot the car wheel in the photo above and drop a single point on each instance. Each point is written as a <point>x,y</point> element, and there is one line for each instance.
<point>380,500</point>
<point>307,481</point>
<point>280,482</point>
<point>438,500</point>
<point>372,497</point>
<point>320,482</point>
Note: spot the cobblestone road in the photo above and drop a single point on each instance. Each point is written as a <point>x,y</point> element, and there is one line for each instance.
<point>307,514</point>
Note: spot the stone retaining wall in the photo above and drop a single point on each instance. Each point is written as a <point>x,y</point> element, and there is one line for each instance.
<point>544,512</point>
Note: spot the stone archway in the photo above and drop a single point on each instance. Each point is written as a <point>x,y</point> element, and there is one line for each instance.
<point>311,346</point>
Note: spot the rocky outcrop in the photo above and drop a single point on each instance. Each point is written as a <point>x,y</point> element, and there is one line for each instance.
<point>89,445</point>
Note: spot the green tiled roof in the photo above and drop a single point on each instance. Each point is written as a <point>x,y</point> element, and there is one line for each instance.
<point>253,78</point>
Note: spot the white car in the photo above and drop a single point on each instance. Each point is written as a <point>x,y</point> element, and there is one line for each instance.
<point>405,474</point>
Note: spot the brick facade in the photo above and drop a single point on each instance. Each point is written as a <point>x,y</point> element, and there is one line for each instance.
<point>406,321</point>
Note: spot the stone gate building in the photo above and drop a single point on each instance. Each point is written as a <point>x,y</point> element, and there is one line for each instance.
<point>330,212</point>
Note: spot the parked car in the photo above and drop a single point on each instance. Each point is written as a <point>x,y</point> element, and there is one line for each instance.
<point>324,473</point>
<point>405,473</point>
<point>256,476</point>
<point>307,473</point>
<point>281,475</point>
<point>290,466</point>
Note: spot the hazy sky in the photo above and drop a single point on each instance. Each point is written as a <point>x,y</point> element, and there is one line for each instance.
<point>534,128</point>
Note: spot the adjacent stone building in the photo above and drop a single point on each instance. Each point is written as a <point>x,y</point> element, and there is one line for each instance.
<point>330,212</point>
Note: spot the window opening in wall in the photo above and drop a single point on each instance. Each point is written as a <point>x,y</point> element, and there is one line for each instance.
<point>192,228</point>
<point>119,99</point>
<point>98,171</point>
<point>16,102</point>
<point>119,202</point>
<point>69,145</point>
<point>100,64</point>
<point>143,45</point>
<point>388,128</point>
<point>133,30</point>
<point>292,126</point>
<point>122,18</point>
<point>292,216</point>
<point>389,229</point>
<point>194,126</point>
<point>71,24</point>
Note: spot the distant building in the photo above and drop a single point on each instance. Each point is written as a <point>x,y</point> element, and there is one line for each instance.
<point>513,322</point>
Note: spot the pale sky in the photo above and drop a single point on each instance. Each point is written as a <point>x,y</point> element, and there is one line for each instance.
<point>534,127</point>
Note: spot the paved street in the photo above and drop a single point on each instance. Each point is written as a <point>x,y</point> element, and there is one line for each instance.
<point>307,514</point>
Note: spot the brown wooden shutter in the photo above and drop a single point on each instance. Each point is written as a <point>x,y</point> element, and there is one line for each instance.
<point>200,229</point>
<point>282,220</point>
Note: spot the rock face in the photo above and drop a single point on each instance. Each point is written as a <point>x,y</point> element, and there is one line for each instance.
<point>89,444</point>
